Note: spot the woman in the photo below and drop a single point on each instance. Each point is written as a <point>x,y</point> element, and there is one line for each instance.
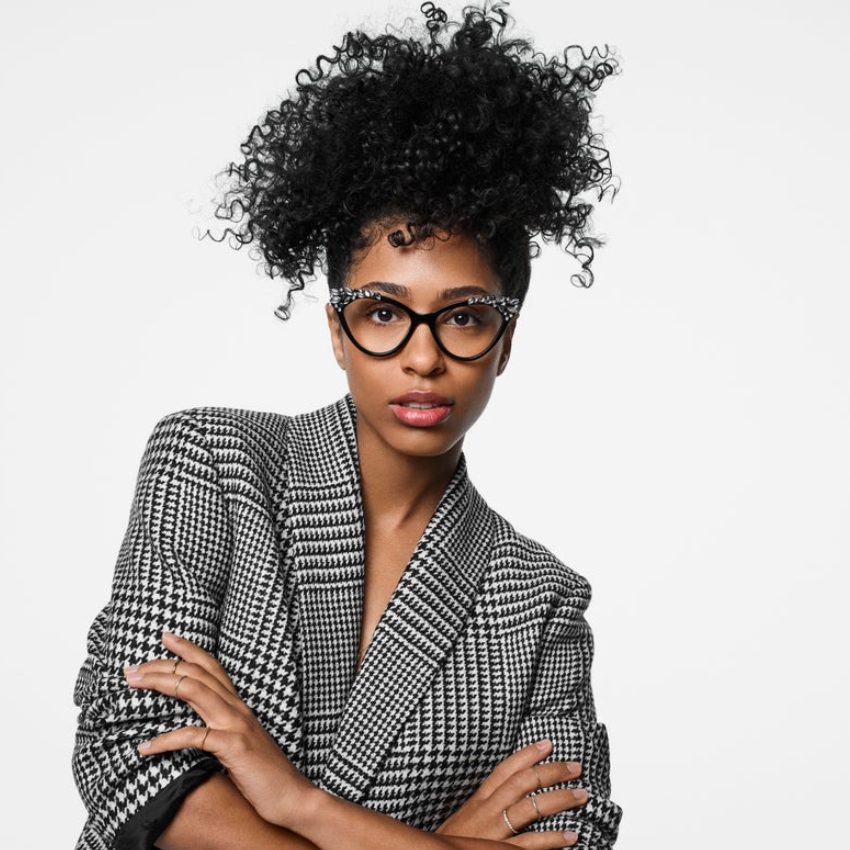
<point>360,653</point>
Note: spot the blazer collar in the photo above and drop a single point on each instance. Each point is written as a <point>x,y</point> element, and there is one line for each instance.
<point>351,719</point>
<point>324,527</point>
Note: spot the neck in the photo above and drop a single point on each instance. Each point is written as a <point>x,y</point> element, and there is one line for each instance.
<point>399,488</point>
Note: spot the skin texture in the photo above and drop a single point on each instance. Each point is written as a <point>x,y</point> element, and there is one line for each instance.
<point>263,801</point>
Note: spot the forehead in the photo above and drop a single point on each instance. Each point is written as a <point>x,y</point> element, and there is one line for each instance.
<point>425,268</point>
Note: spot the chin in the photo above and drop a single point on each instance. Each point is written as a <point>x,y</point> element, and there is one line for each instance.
<point>426,443</point>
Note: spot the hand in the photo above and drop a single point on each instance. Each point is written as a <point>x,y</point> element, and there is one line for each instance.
<point>255,763</point>
<point>515,788</point>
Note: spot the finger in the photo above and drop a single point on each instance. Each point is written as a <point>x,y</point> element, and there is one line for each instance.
<point>215,709</point>
<point>532,808</point>
<point>561,800</point>
<point>549,773</point>
<point>543,840</point>
<point>192,653</point>
<point>178,671</point>
<point>178,739</point>
<point>524,758</point>
<point>531,780</point>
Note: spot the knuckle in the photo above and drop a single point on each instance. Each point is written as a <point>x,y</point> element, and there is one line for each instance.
<point>518,782</point>
<point>242,725</point>
<point>215,667</point>
<point>240,743</point>
<point>548,804</point>
<point>529,813</point>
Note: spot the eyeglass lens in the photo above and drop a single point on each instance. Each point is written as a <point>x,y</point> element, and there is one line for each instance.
<point>465,330</point>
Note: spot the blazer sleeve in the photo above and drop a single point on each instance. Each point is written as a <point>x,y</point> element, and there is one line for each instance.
<point>171,574</point>
<point>561,709</point>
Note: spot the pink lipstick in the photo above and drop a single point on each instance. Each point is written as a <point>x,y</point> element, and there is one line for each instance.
<point>421,409</point>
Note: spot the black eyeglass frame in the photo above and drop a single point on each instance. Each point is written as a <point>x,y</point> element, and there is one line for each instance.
<point>341,297</point>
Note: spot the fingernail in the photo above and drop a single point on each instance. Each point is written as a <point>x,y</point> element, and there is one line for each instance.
<point>570,837</point>
<point>145,745</point>
<point>128,671</point>
<point>135,676</point>
<point>574,767</point>
<point>173,636</point>
<point>580,795</point>
<point>544,744</point>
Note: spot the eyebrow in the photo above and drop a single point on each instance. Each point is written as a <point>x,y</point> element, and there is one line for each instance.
<point>399,291</point>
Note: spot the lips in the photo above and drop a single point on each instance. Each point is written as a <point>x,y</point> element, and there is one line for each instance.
<point>421,409</point>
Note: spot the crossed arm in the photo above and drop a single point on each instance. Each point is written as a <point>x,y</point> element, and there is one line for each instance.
<point>265,803</point>
<point>176,560</point>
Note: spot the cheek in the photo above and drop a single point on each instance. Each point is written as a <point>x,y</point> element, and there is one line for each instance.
<point>480,386</point>
<point>365,375</point>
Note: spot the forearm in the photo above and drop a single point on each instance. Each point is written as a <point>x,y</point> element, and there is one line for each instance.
<point>332,823</point>
<point>215,816</point>
<point>262,784</point>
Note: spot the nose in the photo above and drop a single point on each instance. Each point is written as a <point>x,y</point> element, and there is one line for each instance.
<point>421,355</point>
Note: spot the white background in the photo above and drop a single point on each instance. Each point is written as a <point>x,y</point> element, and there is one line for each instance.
<point>678,433</point>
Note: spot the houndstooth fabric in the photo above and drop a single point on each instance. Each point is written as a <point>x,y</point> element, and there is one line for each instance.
<point>246,536</point>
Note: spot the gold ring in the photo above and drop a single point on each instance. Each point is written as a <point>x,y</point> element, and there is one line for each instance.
<point>177,686</point>
<point>539,780</point>
<point>534,803</point>
<point>508,822</point>
<point>174,668</point>
<point>204,739</point>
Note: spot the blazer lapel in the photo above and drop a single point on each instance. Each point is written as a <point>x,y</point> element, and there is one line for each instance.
<point>325,521</point>
<point>424,618</point>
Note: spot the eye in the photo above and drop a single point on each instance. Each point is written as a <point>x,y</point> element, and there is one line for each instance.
<point>466,316</point>
<point>382,314</point>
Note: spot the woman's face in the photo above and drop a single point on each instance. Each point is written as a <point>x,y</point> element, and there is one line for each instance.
<point>419,402</point>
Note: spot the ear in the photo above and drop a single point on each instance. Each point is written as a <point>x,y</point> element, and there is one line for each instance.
<point>507,342</point>
<point>336,335</point>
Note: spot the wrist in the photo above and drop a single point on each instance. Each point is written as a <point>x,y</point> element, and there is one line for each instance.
<point>304,808</point>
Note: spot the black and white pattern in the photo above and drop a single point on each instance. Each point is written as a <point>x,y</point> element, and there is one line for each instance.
<point>246,535</point>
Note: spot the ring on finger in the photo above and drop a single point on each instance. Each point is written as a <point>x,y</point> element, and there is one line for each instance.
<point>204,739</point>
<point>508,822</point>
<point>174,667</point>
<point>534,803</point>
<point>539,780</point>
<point>177,686</point>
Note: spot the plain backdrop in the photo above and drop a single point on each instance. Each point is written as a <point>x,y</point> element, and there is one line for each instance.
<point>678,433</point>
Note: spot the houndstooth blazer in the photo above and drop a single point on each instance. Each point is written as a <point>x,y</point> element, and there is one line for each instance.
<point>246,536</point>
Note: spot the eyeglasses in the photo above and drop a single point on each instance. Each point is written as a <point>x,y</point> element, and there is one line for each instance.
<point>381,326</point>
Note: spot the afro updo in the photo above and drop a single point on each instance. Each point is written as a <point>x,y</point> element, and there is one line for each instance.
<point>454,128</point>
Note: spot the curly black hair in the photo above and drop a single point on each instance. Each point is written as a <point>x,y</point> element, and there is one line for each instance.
<point>452,129</point>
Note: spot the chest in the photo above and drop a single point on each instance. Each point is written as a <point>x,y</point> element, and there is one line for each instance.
<point>439,697</point>
<point>463,724</point>
<point>387,554</point>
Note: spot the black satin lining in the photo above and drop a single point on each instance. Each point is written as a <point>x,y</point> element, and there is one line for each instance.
<point>143,829</point>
